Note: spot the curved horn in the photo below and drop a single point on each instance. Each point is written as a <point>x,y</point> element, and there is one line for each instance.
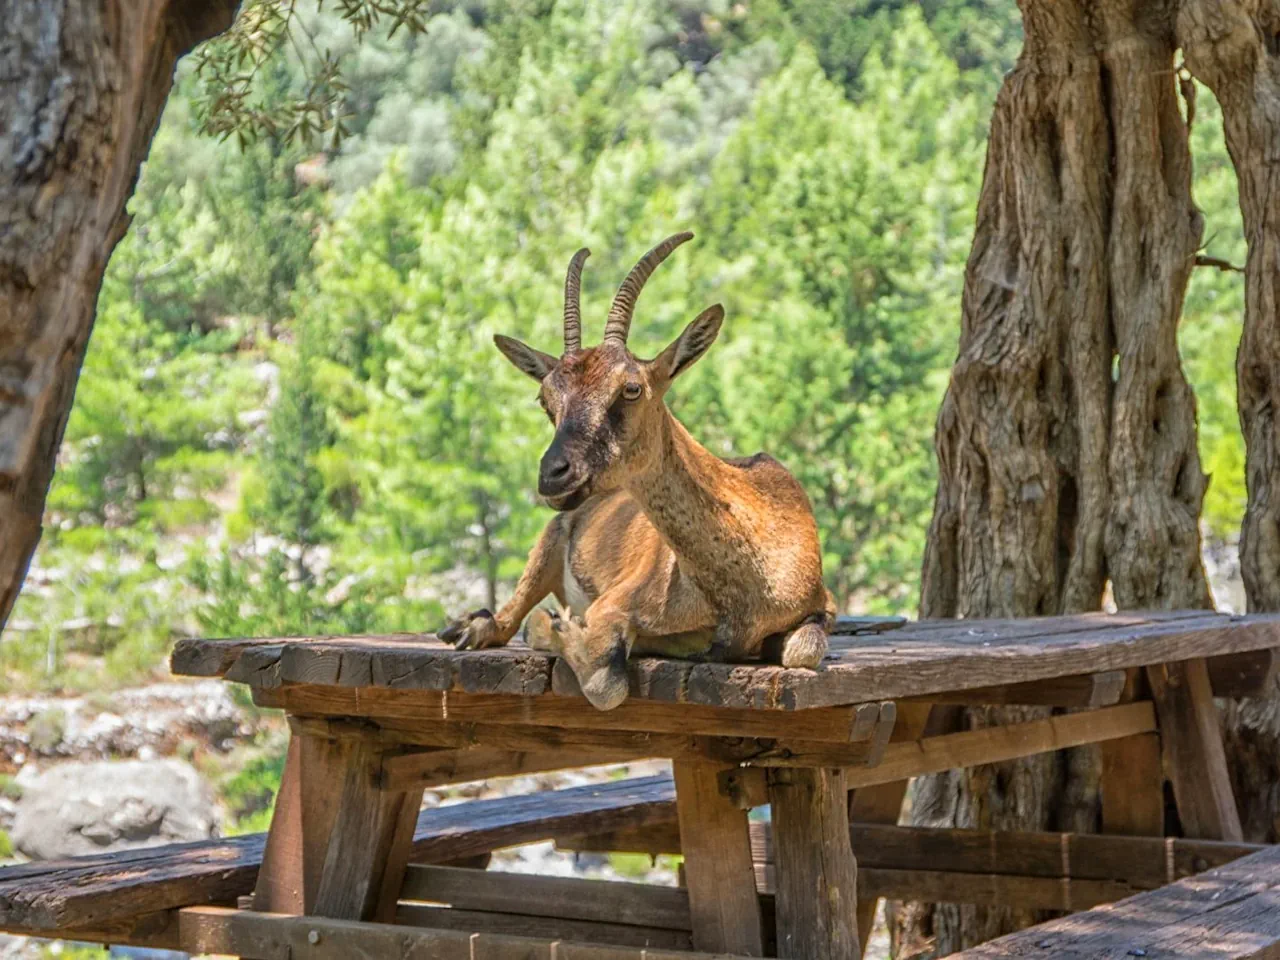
<point>624,304</point>
<point>572,303</point>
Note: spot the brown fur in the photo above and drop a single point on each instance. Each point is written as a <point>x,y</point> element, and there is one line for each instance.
<point>661,547</point>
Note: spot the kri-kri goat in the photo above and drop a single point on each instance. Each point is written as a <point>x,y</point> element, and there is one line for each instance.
<point>658,547</point>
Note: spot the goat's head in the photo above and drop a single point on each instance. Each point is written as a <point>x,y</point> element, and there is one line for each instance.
<point>606,403</point>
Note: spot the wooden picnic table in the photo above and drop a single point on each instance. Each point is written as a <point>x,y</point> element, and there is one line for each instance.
<point>376,720</point>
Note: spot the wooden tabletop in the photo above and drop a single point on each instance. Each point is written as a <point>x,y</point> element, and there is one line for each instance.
<point>867,662</point>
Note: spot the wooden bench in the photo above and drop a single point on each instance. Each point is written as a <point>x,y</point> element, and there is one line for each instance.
<point>128,897</point>
<point>1229,913</point>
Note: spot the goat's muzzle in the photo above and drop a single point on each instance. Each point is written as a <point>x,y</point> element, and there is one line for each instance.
<point>559,483</point>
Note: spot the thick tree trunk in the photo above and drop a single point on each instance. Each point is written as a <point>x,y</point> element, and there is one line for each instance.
<point>1055,475</point>
<point>83,85</point>
<point>1231,46</point>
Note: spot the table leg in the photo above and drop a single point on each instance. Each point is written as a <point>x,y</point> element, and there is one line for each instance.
<point>1193,756</point>
<point>338,844</point>
<point>883,802</point>
<point>721,879</point>
<point>817,875</point>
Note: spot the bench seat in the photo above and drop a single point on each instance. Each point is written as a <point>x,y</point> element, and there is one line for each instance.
<point>1229,913</point>
<point>86,895</point>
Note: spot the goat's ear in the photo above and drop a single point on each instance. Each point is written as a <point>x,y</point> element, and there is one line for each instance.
<point>533,362</point>
<point>690,345</point>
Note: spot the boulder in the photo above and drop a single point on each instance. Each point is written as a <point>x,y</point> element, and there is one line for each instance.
<point>82,808</point>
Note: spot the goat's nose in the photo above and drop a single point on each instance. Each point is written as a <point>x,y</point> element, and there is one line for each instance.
<point>557,469</point>
<point>555,474</point>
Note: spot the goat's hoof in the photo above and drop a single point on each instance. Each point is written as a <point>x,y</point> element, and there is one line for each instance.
<point>606,688</point>
<point>804,647</point>
<point>472,631</point>
<point>540,631</point>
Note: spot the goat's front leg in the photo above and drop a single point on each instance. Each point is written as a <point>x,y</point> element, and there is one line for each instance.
<point>481,629</point>
<point>596,648</point>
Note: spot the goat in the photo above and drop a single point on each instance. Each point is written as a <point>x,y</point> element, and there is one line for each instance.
<point>659,547</point>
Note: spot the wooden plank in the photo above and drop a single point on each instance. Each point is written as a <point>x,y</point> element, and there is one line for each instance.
<point>1081,690</point>
<point>956,655</point>
<point>1132,786</point>
<point>433,768</point>
<point>1193,756</point>
<point>915,660</point>
<point>817,876</point>
<point>504,750</point>
<point>158,931</point>
<point>105,889</point>
<point>1142,862</point>
<point>991,890</point>
<point>1251,674</point>
<point>995,744</point>
<point>717,858</point>
<point>635,904</point>
<point>410,709</point>
<point>1230,912</point>
<point>263,936</point>
<point>550,928</point>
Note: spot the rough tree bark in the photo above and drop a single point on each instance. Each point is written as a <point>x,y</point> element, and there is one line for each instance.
<point>1233,47</point>
<point>1054,474</point>
<point>82,84</point>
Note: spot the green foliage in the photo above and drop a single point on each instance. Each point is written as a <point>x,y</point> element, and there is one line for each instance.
<point>1211,323</point>
<point>292,418</point>
<point>249,794</point>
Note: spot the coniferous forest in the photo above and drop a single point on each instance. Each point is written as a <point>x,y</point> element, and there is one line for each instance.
<point>292,418</point>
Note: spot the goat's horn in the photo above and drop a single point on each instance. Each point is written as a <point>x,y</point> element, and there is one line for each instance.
<point>624,304</point>
<point>572,302</point>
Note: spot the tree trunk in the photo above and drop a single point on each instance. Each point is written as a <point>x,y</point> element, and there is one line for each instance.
<point>1232,48</point>
<point>84,84</point>
<point>1054,473</point>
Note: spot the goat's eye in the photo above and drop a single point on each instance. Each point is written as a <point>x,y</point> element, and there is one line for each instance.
<point>632,391</point>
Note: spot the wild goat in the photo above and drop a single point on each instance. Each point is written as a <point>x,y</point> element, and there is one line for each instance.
<point>659,547</point>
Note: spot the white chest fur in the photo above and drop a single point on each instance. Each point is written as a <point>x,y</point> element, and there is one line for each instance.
<point>574,595</point>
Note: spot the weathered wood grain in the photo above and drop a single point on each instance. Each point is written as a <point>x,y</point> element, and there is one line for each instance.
<point>882,803</point>
<point>367,837</point>
<point>90,892</point>
<point>994,744</point>
<point>1140,861</point>
<point>265,936</point>
<point>1133,786</point>
<point>636,904</point>
<point>1082,690</point>
<point>717,849</point>
<point>1230,913</point>
<point>1250,674</point>
<point>1194,759</point>
<point>549,928</point>
<point>423,711</point>
<point>433,768</point>
<point>817,877</point>
<point>915,660</point>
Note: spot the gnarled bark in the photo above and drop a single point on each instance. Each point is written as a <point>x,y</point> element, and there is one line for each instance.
<point>84,84</point>
<point>1231,46</point>
<point>1052,476</point>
